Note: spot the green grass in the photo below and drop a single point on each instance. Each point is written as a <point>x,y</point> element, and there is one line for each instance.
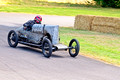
<point>62,11</point>
<point>101,46</point>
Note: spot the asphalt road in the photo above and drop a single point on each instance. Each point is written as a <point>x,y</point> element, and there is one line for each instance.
<point>26,63</point>
<point>16,19</point>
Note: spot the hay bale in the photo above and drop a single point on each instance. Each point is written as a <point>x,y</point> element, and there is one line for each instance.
<point>105,29</point>
<point>83,22</point>
<point>106,24</point>
<point>97,23</point>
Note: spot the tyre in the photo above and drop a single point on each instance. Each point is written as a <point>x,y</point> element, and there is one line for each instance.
<point>47,47</point>
<point>74,48</point>
<point>12,39</point>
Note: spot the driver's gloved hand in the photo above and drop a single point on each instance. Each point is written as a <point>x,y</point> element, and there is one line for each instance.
<point>25,28</point>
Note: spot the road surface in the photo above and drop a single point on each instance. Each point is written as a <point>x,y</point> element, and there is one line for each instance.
<point>26,63</point>
<point>16,19</point>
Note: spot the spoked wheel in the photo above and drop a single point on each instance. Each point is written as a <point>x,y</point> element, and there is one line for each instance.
<point>74,48</point>
<point>12,38</point>
<point>47,48</point>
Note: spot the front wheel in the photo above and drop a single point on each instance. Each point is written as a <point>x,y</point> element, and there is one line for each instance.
<point>47,48</point>
<point>12,38</point>
<point>74,48</point>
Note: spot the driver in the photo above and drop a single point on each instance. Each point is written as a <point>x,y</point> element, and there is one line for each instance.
<point>28,25</point>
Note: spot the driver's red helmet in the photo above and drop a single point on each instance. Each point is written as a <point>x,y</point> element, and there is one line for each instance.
<point>38,19</point>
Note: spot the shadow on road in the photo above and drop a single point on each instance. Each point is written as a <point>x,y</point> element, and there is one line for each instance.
<point>37,51</point>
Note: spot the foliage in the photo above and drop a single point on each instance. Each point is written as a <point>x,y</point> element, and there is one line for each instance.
<point>108,3</point>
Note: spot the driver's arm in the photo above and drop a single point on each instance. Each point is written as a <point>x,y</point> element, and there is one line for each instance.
<point>27,25</point>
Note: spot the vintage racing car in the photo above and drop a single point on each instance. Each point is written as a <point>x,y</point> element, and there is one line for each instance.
<point>45,37</point>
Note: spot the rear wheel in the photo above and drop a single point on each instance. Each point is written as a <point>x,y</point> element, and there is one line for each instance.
<point>12,38</point>
<point>74,48</point>
<point>46,48</point>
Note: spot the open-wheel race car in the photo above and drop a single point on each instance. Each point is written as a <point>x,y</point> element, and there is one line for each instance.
<point>45,37</point>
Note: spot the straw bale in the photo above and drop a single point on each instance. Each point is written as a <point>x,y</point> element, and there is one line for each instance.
<point>105,29</point>
<point>106,21</point>
<point>83,22</point>
<point>97,23</point>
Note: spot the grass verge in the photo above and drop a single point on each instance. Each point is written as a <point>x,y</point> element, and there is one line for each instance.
<point>101,46</point>
<point>61,11</point>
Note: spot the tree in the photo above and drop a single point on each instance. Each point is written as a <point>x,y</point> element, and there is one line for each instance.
<point>108,3</point>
